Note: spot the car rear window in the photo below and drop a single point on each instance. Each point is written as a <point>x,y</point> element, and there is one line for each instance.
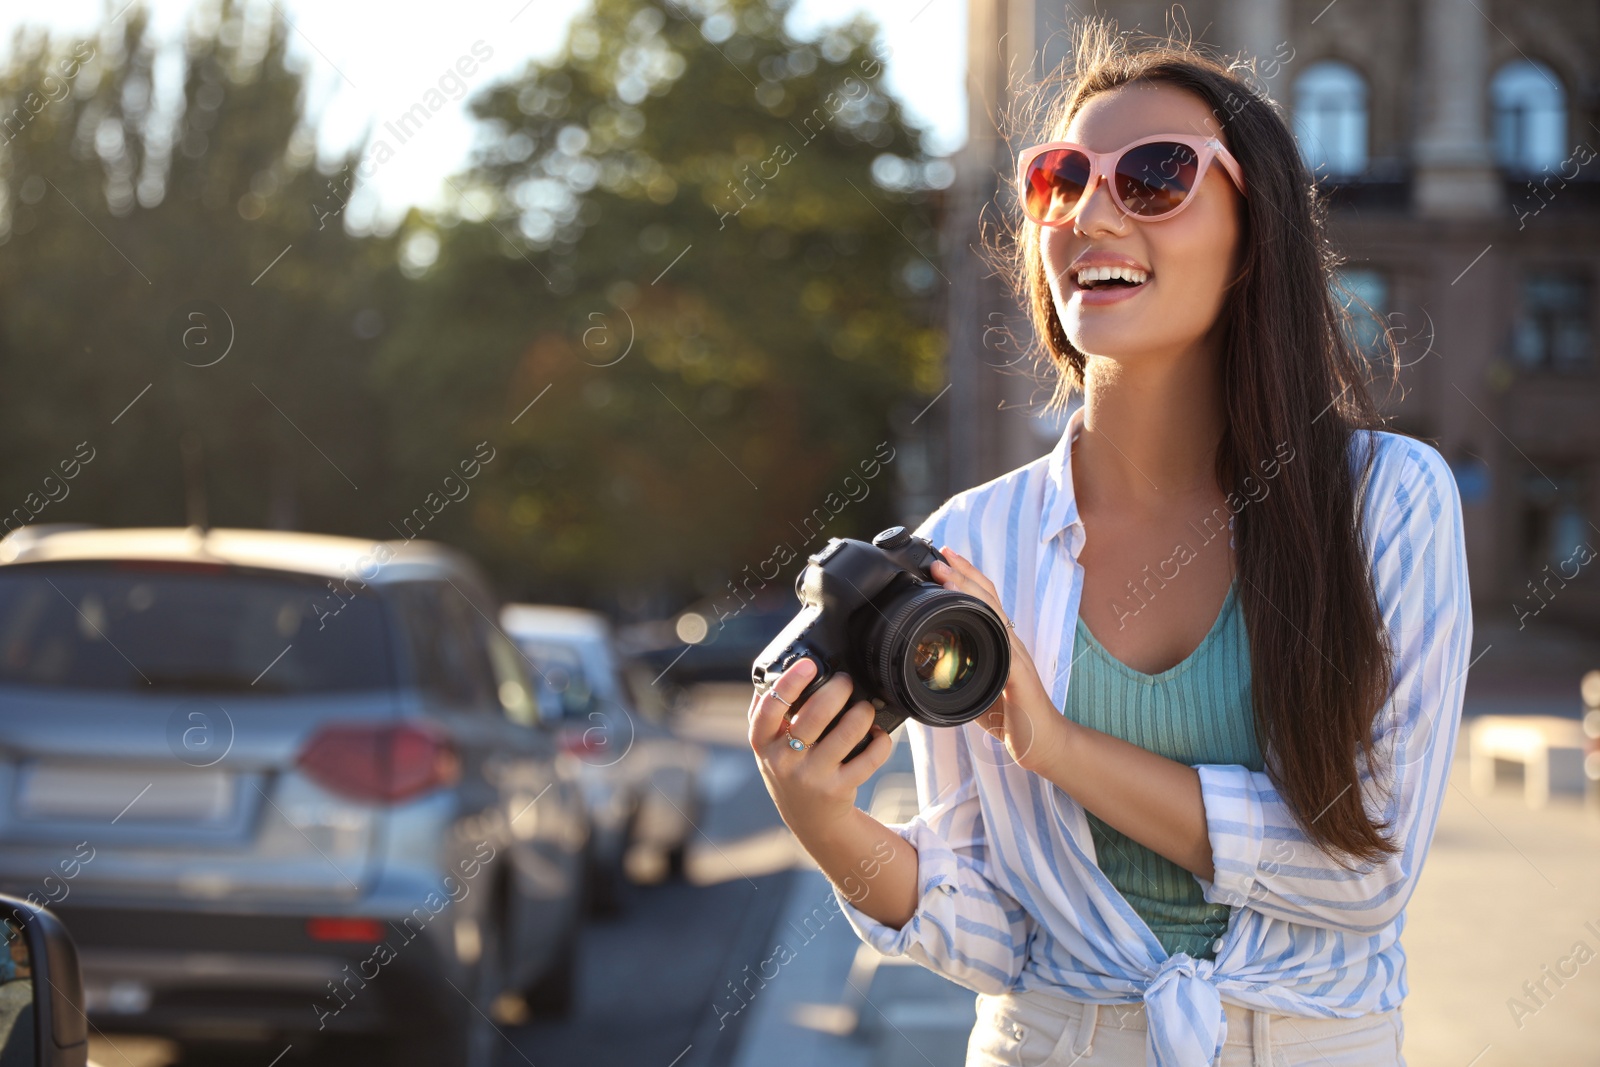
<point>563,669</point>
<point>142,627</point>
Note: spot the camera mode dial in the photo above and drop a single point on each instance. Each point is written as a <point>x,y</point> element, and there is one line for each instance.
<point>892,538</point>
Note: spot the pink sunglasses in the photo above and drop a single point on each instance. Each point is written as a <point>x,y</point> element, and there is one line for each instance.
<point>1151,179</point>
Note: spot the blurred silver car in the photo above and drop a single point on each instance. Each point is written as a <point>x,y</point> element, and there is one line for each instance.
<point>285,787</point>
<point>640,778</point>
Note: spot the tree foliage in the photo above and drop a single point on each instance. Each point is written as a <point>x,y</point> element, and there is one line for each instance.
<point>673,236</point>
<point>138,230</point>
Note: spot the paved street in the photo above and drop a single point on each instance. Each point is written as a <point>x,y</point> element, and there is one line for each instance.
<point>647,983</point>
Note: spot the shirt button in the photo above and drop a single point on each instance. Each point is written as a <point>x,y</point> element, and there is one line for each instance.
<point>949,890</point>
<point>1216,946</point>
<point>1017,1031</point>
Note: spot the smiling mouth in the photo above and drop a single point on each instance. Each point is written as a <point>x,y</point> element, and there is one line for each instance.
<point>1097,279</point>
<point>1106,285</point>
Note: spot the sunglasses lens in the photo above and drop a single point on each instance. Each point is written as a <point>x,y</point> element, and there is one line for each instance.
<point>1054,182</point>
<point>1154,179</point>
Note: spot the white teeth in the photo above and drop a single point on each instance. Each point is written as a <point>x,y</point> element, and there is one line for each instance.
<point>1089,275</point>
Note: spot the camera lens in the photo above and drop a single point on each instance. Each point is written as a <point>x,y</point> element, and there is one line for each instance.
<point>940,655</point>
<point>944,659</point>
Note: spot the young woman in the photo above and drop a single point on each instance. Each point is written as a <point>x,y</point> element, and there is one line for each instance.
<point>1241,622</point>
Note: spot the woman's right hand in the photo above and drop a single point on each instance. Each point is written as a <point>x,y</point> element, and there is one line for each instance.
<point>814,789</point>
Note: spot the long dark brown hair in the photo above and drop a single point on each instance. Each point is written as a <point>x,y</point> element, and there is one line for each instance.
<point>1292,378</point>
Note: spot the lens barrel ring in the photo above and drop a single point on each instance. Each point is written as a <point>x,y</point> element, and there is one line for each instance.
<point>916,614</point>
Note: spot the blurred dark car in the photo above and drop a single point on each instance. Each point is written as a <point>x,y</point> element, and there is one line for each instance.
<point>640,779</point>
<point>714,640</point>
<point>285,787</point>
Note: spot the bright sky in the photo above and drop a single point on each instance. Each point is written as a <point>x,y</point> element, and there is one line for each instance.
<point>369,61</point>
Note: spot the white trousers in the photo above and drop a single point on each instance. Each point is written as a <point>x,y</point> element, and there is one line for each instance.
<point>1039,1029</point>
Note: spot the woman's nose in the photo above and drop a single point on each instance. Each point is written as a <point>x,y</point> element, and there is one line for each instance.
<point>1100,210</point>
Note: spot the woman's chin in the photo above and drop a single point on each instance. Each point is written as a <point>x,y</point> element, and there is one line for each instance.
<point>1101,339</point>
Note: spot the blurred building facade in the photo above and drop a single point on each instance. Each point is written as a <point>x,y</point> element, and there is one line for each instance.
<point>1458,141</point>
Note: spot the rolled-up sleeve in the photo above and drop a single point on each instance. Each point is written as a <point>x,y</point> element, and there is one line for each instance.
<point>1261,857</point>
<point>964,927</point>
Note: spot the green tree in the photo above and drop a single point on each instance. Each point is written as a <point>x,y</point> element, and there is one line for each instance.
<point>705,247</point>
<point>136,237</point>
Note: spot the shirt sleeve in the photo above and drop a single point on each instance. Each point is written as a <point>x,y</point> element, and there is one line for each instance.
<point>965,927</point>
<point>1262,859</point>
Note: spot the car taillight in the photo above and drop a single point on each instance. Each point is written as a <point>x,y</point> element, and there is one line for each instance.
<point>367,931</point>
<point>384,763</point>
<point>590,742</point>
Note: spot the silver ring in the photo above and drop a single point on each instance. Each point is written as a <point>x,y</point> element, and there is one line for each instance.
<point>780,700</point>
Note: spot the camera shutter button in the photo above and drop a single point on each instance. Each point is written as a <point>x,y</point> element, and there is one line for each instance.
<point>892,538</point>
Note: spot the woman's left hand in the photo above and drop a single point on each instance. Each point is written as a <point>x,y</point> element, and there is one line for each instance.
<point>1024,718</point>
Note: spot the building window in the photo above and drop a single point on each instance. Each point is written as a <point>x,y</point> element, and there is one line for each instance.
<point>1552,328</point>
<point>1554,523</point>
<point>1330,119</point>
<point>1365,293</point>
<point>1530,117</point>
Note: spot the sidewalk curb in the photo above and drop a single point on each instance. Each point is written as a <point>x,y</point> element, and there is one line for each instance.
<point>811,977</point>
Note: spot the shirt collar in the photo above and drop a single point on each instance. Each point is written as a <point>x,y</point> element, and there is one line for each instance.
<point>1060,510</point>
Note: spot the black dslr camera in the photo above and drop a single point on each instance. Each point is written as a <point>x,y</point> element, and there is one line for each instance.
<point>910,646</point>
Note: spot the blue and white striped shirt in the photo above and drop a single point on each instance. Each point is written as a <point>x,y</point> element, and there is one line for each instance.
<point>1010,895</point>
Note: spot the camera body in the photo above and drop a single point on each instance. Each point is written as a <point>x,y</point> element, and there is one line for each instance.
<point>911,647</point>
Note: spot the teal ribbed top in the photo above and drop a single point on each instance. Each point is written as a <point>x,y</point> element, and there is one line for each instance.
<point>1195,712</point>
